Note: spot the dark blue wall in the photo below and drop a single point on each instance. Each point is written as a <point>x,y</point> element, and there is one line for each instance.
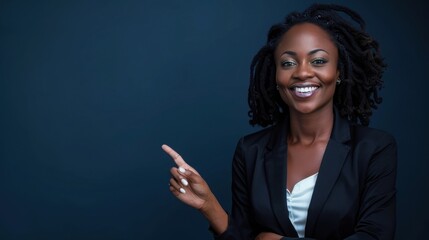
<point>89,90</point>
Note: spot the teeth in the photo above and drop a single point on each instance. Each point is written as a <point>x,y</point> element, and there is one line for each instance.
<point>305,89</point>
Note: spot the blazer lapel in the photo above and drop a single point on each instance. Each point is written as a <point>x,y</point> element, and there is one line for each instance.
<point>335,154</point>
<point>275,172</point>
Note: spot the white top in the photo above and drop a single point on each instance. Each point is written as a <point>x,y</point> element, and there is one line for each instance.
<point>298,202</point>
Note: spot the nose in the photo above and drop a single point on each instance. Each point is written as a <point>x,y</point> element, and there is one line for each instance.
<point>303,71</point>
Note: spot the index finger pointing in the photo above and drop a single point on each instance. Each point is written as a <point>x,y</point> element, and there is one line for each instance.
<point>174,155</point>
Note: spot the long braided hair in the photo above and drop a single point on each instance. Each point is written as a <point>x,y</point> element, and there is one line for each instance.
<point>360,65</point>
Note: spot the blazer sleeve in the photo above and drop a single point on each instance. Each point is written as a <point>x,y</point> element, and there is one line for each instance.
<point>240,223</point>
<point>377,214</point>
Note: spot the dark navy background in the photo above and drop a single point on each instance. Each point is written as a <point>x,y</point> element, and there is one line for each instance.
<point>89,90</point>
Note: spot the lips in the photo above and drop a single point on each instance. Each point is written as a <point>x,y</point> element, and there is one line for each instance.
<point>303,91</point>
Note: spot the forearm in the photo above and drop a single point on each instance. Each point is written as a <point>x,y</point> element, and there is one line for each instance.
<point>216,215</point>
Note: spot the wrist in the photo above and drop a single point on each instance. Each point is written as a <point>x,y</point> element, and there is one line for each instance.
<point>210,205</point>
<point>215,214</point>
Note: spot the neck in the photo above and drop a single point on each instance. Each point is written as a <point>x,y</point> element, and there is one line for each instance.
<point>309,128</point>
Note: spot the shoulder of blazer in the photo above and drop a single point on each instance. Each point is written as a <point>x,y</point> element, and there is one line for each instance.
<point>260,138</point>
<point>353,134</point>
<point>371,136</point>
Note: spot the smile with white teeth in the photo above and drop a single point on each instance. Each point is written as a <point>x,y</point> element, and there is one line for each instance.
<point>304,91</point>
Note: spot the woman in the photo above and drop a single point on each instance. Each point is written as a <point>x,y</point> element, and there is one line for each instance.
<point>317,171</point>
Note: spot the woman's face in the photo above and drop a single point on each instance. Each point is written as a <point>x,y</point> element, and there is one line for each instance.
<point>306,68</point>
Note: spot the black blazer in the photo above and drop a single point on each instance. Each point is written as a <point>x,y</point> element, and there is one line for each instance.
<point>354,196</point>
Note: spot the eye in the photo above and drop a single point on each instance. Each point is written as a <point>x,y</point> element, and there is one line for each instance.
<point>287,63</point>
<point>319,61</point>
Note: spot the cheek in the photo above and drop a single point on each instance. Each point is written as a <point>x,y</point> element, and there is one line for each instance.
<point>284,93</point>
<point>282,77</point>
<point>284,97</point>
<point>333,72</point>
<point>329,77</point>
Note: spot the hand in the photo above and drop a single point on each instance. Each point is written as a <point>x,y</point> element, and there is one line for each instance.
<point>189,187</point>
<point>268,236</point>
<point>187,184</point>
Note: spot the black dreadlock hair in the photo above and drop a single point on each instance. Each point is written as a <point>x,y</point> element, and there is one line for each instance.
<point>360,65</point>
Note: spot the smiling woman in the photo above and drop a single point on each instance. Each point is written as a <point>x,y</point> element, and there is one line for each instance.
<point>318,172</point>
<point>306,68</point>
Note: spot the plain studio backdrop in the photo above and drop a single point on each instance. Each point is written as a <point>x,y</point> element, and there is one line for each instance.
<point>89,90</point>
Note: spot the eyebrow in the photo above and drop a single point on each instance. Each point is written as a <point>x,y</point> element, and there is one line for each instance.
<point>309,53</point>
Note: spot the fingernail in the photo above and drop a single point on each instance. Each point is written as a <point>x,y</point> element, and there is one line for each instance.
<point>182,170</point>
<point>184,182</point>
<point>182,190</point>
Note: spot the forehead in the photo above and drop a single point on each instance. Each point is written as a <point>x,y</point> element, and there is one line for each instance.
<point>306,37</point>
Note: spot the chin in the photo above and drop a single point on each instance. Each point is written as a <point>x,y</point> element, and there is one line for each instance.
<point>305,109</point>
<point>301,110</point>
